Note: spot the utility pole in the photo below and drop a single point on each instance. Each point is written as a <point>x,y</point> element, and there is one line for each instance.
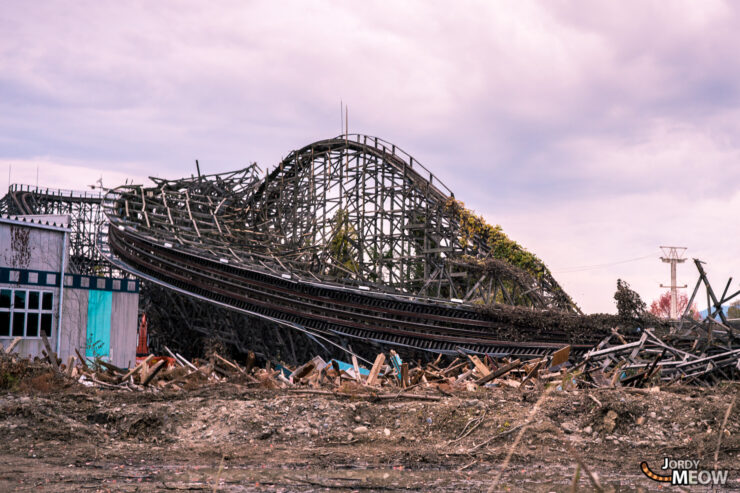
<point>672,255</point>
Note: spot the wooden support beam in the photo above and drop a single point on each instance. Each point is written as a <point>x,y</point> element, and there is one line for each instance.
<point>500,372</point>
<point>13,344</point>
<point>136,369</point>
<point>153,372</point>
<point>479,365</point>
<point>375,370</point>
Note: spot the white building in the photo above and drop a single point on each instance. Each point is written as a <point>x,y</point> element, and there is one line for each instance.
<point>97,316</point>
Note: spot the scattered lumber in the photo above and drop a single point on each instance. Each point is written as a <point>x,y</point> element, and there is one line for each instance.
<point>701,353</point>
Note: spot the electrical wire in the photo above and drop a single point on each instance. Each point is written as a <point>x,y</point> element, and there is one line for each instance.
<point>601,266</point>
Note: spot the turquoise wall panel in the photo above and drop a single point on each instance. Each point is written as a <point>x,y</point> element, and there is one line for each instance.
<point>98,324</point>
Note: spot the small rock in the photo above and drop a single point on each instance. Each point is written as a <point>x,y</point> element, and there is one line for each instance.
<point>610,421</point>
<point>360,430</point>
<point>358,418</point>
<point>640,420</point>
<point>265,434</point>
<point>568,426</point>
<point>587,430</point>
<point>386,432</point>
<point>653,415</point>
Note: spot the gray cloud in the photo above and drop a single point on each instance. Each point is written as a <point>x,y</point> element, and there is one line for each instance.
<point>590,131</point>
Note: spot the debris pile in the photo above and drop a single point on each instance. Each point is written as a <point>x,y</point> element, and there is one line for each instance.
<point>702,356</point>
<point>703,353</point>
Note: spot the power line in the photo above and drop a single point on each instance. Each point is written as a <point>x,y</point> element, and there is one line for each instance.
<point>601,266</point>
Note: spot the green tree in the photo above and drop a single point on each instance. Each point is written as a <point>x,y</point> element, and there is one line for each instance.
<point>342,245</point>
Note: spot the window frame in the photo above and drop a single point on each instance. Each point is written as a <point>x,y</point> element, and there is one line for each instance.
<point>26,310</point>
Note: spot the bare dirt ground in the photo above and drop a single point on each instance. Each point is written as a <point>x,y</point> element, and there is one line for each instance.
<point>224,437</point>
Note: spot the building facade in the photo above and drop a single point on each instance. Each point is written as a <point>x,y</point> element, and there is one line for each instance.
<point>95,316</point>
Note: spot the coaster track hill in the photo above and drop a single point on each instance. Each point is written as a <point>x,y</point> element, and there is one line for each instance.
<point>347,238</point>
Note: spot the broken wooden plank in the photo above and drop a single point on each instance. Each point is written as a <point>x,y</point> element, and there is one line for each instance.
<point>637,349</point>
<point>137,368</point>
<point>50,354</point>
<point>186,362</point>
<point>619,336</point>
<point>405,375</point>
<point>449,370</point>
<point>173,356</point>
<point>463,376</point>
<point>449,367</point>
<point>375,370</point>
<point>500,372</point>
<point>13,344</point>
<point>356,367</point>
<point>317,363</point>
<point>560,356</point>
<point>479,365</point>
<point>81,359</point>
<point>533,371</point>
<point>153,372</point>
<point>613,349</point>
<point>110,366</point>
<point>228,363</point>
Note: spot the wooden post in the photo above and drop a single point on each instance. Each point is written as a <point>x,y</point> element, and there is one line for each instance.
<point>137,368</point>
<point>377,365</point>
<point>356,366</point>
<point>479,365</point>
<point>155,369</point>
<point>404,375</point>
<point>51,354</point>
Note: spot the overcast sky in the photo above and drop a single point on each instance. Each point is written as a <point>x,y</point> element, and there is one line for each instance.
<point>593,132</point>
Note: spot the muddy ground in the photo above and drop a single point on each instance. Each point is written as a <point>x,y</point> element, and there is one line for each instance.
<point>225,437</point>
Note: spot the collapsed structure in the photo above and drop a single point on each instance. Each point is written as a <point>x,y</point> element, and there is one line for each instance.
<point>347,239</point>
<point>349,243</point>
<point>48,304</point>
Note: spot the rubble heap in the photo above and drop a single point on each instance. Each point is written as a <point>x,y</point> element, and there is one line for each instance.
<point>703,354</point>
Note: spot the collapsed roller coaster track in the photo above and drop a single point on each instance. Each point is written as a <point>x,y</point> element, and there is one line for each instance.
<point>347,238</point>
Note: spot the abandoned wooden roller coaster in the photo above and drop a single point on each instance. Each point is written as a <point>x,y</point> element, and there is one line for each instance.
<point>351,241</point>
<point>350,245</point>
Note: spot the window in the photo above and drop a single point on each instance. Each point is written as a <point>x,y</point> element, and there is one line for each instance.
<point>25,312</point>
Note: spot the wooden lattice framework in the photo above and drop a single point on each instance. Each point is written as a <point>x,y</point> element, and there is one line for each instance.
<point>84,210</point>
<point>353,210</point>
